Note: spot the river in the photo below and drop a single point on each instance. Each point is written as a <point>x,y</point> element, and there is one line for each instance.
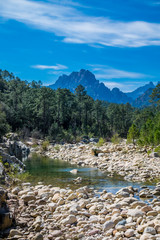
<point>57,173</point>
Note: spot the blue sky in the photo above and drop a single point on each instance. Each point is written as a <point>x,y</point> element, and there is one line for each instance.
<point>119,41</point>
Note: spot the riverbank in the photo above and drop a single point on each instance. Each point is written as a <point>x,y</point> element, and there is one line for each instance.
<point>132,162</point>
<point>47,212</point>
<point>44,212</point>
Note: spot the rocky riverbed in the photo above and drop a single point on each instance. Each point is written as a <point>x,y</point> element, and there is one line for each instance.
<point>47,212</point>
<point>132,162</point>
<point>50,212</point>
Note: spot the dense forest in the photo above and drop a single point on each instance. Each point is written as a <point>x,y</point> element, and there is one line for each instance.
<point>37,111</point>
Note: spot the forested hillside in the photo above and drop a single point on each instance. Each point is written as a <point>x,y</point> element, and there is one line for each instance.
<point>33,110</point>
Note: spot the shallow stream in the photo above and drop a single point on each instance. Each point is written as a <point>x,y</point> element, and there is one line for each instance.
<point>57,173</point>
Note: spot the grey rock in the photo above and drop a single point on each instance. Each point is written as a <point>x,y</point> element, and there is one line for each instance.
<point>69,220</point>
<point>108,225</point>
<point>123,222</point>
<point>129,233</point>
<point>150,230</point>
<point>135,213</point>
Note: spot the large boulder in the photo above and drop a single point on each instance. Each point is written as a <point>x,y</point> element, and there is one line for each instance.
<point>5,216</point>
<point>18,149</point>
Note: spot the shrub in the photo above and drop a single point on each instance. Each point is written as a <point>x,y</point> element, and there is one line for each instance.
<point>45,145</point>
<point>149,152</point>
<point>57,148</point>
<point>34,145</point>
<point>25,176</point>
<point>90,135</point>
<point>133,134</point>
<point>157,149</point>
<point>4,127</point>
<point>68,137</point>
<point>78,139</point>
<point>116,139</point>
<point>100,142</point>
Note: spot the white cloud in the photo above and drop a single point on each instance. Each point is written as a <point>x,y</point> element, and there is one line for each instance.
<point>103,72</point>
<point>75,27</point>
<point>56,67</point>
<point>113,84</point>
<point>115,73</point>
<point>121,79</point>
<point>125,86</point>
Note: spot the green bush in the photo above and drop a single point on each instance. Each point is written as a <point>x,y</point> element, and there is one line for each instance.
<point>100,142</point>
<point>78,139</point>
<point>133,134</point>
<point>115,138</point>
<point>90,135</point>
<point>149,152</point>
<point>57,148</point>
<point>25,176</point>
<point>157,149</point>
<point>45,145</point>
<point>34,145</point>
<point>4,127</point>
<point>68,137</point>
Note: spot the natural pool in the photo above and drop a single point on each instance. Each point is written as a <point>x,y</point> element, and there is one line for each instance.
<point>57,173</point>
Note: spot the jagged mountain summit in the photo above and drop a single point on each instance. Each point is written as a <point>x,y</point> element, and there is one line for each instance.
<point>97,90</point>
<point>141,90</point>
<point>144,99</point>
<point>94,88</point>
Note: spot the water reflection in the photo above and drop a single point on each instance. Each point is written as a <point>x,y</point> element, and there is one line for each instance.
<point>57,173</point>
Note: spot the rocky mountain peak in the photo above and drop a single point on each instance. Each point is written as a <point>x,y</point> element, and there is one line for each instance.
<point>97,90</point>
<point>141,90</point>
<point>94,88</point>
<point>83,75</point>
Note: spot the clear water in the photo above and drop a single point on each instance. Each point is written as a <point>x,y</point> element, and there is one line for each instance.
<point>57,173</point>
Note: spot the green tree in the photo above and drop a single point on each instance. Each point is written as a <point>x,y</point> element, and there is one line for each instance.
<point>133,133</point>
<point>155,96</point>
<point>4,127</point>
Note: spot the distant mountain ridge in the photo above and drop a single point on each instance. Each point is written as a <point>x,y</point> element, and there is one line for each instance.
<point>141,90</point>
<point>144,99</point>
<point>96,89</point>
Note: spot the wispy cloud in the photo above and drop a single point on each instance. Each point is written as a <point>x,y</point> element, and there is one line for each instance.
<point>44,67</point>
<point>115,73</point>
<point>58,73</point>
<point>125,86</point>
<point>122,86</point>
<point>103,72</point>
<point>122,79</point>
<point>75,27</point>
